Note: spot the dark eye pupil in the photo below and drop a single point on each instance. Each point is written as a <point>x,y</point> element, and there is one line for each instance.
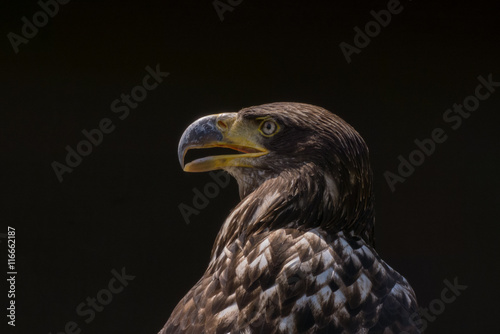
<point>269,127</point>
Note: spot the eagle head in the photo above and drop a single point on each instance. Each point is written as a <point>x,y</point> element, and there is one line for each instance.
<point>319,159</point>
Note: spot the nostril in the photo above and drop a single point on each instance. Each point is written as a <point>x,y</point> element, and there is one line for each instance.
<point>222,125</point>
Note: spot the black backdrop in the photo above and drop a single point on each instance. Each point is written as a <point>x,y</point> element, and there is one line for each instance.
<point>119,208</point>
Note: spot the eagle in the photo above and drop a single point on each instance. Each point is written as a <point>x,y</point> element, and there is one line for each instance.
<point>296,255</point>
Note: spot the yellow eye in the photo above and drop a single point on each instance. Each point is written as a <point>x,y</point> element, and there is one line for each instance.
<point>268,128</point>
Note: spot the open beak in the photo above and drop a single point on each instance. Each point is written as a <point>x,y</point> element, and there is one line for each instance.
<point>219,130</point>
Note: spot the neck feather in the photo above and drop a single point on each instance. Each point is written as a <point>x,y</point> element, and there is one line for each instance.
<point>303,198</point>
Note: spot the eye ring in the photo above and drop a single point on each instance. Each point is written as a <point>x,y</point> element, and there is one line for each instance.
<point>268,128</point>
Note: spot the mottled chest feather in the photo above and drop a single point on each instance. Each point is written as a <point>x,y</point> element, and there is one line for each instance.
<point>291,281</point>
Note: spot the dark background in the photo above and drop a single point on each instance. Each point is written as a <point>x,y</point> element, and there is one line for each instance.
<point>119,207</point>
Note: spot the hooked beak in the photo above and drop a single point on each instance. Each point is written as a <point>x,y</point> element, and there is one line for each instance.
<point>219,130</point>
